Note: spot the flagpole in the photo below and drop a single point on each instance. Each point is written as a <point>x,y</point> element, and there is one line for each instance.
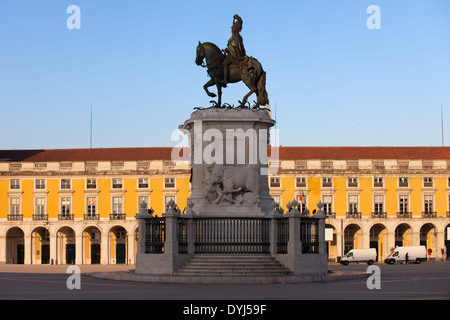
<point>91,129</point>
<point>442,124</point>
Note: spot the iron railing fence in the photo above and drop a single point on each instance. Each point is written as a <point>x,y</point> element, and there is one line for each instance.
<point>182,232</point>
<point>155,235</point>
<point>282,235</point>
<point>232,235</point>
<point>309,235</point>
<point>222,235</point>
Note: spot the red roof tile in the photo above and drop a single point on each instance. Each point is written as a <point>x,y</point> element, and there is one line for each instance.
<point>285,153</point>
<point>355,153</point>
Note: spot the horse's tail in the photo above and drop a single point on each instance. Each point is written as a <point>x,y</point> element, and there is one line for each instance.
<point>262,98</point>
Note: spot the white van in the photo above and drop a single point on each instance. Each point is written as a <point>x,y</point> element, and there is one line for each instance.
<point>416,254</point>
<point>360,255</point>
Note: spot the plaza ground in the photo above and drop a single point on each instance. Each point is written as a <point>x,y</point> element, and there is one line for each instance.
<point>430,281</point>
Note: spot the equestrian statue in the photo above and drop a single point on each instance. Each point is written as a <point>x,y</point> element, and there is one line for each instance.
<point>232,65</point>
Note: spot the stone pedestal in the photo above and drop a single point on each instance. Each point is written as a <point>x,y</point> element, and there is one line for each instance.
<point>229,161</point>
<point>230,210</point>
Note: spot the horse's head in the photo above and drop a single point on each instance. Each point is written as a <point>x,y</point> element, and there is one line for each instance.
<point>200,54</point>
<point>208,51</point>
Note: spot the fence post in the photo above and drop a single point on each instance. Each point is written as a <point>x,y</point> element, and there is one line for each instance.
<point>273,232</point>
<point>321,216</point>
<point>191,227</point>
<point>171,216</point>
<point>141,217</point>
<point>294,243</point>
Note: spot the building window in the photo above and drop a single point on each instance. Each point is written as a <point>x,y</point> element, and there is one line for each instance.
<point>39,206</point>
<point>91,183</point>
<point>39,184</point>
<point>143,199</point>
<point>428,201</point>
<point>65,184</point>
<point>327,182</point>
<point>448,206</point>
<point>378,204</point>
<point>300,182</point>
<point>143,183</point>
<point>91,207</point>
<point>403,182</point>
<point>352,182</point>
<point>327,204</point>
<point>169,183</point>
<point>14,208</point>
<point>353,204</point>
<point>404,204</point>
<point>14,184</point>
<point>117,205</point>
<point>427,182</point>
<point>65,206</point>
<point>302,201</point>
<point>277,200</point>
<point>167,200</point>
<point>117,183</point>
<point>378,182</point>
<point>275,182</point>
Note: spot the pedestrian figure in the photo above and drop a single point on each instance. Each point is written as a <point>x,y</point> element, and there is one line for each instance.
<point>406,258</point>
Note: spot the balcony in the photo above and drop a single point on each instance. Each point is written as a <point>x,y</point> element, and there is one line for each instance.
<point>429,214</point>
<point>91,217</point>
<point>117,216</point>
<point>379,214</point>
<point>40,217</point>
<point>331,215</point>
<point>404,214</point>
<point>15,217</point>
<point>65,217</point>
<point>353,215</point>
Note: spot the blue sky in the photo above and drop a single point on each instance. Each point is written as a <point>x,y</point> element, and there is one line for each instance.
<point>331,80</point>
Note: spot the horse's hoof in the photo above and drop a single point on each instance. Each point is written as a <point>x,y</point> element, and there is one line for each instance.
<point>212,95</point>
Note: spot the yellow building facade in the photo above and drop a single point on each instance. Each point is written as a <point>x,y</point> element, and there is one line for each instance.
<point>79,205</point>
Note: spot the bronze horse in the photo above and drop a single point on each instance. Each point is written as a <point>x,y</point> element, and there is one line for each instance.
<point>214,62</point>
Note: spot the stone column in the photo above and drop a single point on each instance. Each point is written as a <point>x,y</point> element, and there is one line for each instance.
<point>53,250</point>
<point>440,245</point>
<point>340,238</point>
<point>3,252</point>
<point>390,243</point>
<point>79,249</point>
<point>104,245</point>
<point>27,248</point>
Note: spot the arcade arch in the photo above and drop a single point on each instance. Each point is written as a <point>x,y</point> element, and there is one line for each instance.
<point>40,246</point>
<point>92,245</point>
<point>403,235</point>
<point>65,246</point>
<point>15,246</point>
<point>428,238</point>
<point>118,249</point>
<point>378,240</point>
<point>352,237</point>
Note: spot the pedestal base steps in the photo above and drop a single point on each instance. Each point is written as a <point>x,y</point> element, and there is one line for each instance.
<point>230,269</point>
<point>232,265</point>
